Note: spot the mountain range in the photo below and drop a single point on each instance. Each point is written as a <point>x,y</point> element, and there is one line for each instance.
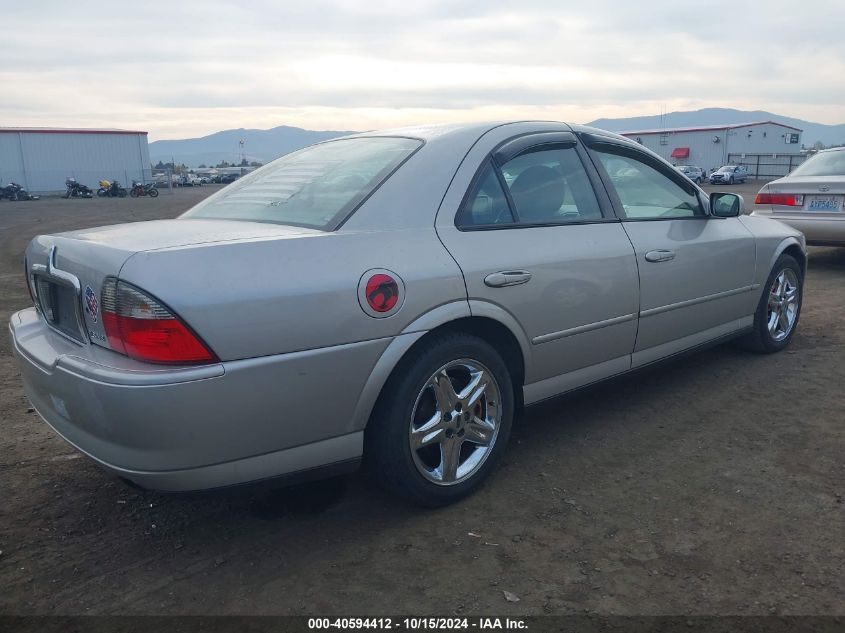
<point>265,145</point>
<point>258,145</point>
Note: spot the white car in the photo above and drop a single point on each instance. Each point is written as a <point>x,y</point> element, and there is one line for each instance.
<point>810,199</point>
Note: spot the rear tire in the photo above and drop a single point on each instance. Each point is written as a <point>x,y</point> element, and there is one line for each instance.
<point>460,431</point>
<point>779,309</point>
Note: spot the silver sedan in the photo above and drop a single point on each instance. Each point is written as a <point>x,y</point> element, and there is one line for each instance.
<point>391,296</point>
<point>810,199</point>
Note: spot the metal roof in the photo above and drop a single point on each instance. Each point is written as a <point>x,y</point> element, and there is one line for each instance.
<point>708,128</point>
<point>66,130</point>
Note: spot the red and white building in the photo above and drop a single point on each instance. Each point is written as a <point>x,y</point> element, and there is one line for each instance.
<point>764,146</point>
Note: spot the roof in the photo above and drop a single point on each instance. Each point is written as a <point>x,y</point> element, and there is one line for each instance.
<point>66,130</point>
<point>709,128</point>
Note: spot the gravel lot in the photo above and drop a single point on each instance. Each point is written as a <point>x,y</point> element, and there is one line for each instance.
<point>709,485</point>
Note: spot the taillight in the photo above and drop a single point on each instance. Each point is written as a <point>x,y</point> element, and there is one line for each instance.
<point>141,327</point>
<point>783,199</point>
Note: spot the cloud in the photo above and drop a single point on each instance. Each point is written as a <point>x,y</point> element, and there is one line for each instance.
<point>185,69</point>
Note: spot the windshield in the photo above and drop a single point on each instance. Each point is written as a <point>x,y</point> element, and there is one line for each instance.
<point>726,169</point>
<point>316,187</point>
<point>684,169</point>
<point>823,164</point>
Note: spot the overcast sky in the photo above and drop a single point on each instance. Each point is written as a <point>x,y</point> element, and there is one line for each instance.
<point>179,69</point>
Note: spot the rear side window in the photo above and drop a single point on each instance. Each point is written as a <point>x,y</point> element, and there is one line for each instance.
<point>487,204</point>
<point>550,186</point>
<point>543,186</point>
<point>316,187</point>
<point>646,193</point>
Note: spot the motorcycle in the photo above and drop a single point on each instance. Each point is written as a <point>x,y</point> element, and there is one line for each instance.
<point>13,191</point>
<point>111,190</point>
<point>77,190</point>
<point>141,189</point>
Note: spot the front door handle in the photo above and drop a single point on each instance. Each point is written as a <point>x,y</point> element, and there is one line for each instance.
<point>507,278</point>
<point>659,256</point>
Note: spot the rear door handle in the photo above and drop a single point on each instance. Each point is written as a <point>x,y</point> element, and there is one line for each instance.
<point>659,256</point>
<point>507,278</point>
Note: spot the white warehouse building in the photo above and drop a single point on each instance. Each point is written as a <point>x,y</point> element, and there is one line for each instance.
<point>768,149</point>
<point>41,159</point>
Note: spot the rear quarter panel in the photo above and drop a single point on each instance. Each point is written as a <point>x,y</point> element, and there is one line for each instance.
<point>273,296</point>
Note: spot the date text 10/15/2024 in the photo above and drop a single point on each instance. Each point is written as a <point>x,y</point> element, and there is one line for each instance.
<point>417,624</point>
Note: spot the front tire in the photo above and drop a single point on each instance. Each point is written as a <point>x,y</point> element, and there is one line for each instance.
<point>153,193</point>
<point>779,309</point>
<point>442,422</point>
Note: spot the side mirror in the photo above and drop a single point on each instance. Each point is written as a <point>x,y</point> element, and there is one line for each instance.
<point>726,205</point>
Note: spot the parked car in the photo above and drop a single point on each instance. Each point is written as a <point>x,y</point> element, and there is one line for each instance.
<point>161,181</point>
<point>394,295</point>
<point>190,180</point>
<point>729,174</point>
<point>810,199</point>
<point>225,179</point>
<point>696,174</point>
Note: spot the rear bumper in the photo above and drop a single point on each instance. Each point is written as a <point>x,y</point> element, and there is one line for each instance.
<point>197,427</point>
<point>819,231</point>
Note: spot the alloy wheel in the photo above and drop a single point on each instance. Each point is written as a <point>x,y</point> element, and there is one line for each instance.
<point>783,304</point>
<point>455,422</point>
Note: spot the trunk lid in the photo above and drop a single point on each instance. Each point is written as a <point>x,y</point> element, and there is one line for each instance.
<point>66,271</point>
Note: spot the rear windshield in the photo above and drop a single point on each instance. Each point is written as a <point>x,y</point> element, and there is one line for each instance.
<point>823,164</point>
<point>316,187</point>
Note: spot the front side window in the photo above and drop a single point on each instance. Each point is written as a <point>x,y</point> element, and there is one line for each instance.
<point>316,187</point>
<point>646,192</point>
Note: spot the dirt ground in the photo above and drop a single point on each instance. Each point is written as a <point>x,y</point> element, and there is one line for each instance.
<point>711,485</point>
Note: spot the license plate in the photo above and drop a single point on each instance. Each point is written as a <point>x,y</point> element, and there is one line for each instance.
<point>59,305</point>
<point>824,203</point>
